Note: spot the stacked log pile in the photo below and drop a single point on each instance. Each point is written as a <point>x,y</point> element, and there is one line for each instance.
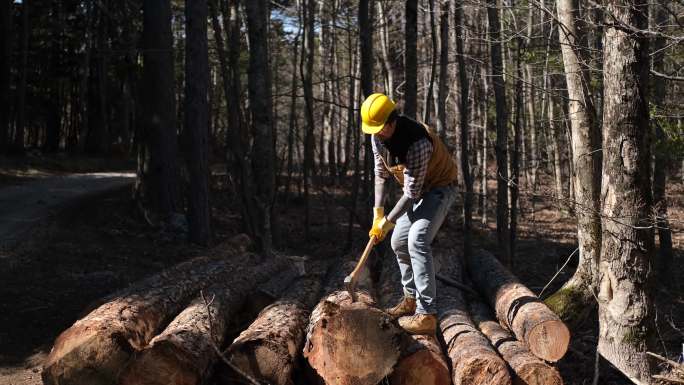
<point>160,331</point>
<point>97,347</point>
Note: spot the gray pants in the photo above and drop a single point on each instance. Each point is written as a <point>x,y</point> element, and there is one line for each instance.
<point>411,241</point>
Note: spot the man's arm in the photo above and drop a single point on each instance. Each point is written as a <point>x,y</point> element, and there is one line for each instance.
<point>417,159</point>
<point>381,174</point>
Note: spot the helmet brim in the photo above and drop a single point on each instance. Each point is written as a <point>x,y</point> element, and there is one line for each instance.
<point>371,129</point>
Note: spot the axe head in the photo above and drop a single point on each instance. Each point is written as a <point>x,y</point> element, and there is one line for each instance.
<point>350,284</point>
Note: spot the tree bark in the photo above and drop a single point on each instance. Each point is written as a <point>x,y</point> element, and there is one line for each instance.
<point>96,347</point>
<point>197,119</point>
<point>306,72</point>
<point>502,229</point>
<point>156,187</point>
<point>443,87</point>
<point>626,309</point>
<point>183,354</point>
<point>269,348</point>
<point>338,328</point>
<point>263,153</point>
<point>410,59</point>
<point>6,7</point>
<point>576,297</point>
<point>528,369</point>
<point>662,155</point>
<point>518,309</point>
<point>427,115</point>
<point>473,360</point>
<point>20,109</point>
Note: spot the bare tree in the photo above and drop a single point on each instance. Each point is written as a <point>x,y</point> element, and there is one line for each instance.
<point>502,230</point>
<point>306,71</point>
<point>20,109</point>
<point>263,153</point>
<point>626,309</point>
<point>410,59</point>
<point>157,184</point>
<point>5,68</point>
<point>197,119</point>
<point>576,295</point>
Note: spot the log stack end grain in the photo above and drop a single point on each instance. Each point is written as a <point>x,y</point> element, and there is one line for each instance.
<point>519,309</point>
<point>339,328</point>
<point>423,363</point>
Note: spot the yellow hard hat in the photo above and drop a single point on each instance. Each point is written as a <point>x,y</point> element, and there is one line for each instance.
<point>374,112</point>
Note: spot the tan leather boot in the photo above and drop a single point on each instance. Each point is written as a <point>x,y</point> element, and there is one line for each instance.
<point>419,323</point>
<point>407,306</point>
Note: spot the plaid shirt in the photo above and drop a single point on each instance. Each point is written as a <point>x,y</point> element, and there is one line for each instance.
<point>415,168</point>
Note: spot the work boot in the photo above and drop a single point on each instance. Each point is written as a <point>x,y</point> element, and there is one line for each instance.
<point>419,323</point>
<point>407,306</point>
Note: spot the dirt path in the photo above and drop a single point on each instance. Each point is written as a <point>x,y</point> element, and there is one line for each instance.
<point>24,205</point>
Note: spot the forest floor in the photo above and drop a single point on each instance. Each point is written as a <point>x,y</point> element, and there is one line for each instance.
<point>99,244</point>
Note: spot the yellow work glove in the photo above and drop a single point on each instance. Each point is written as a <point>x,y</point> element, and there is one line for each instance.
<point>378,214</point>
<point>381,230</point>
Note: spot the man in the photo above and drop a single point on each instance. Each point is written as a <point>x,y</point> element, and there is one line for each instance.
<point>421,163</point>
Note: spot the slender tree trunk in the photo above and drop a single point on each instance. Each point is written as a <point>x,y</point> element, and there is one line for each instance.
<point>515,157</point>
<point>533,150</point>
<point>197,119</point>
<point>554,139</point>
<point>306,69</point>
<point>384,47</point>
<point>410,59</point>
<point>485,147</point>
<point>260,103</point>
<point>20,110</point>
<point>502,229</point>
<point>626,310</point>
<point>443,88</point>
<point>6,7</point>
<point>433,64</point>
<point>662,155</point>
<point>576,296</point>
<point>157,183</point>
<point>366,48</point>
<point>464,115</point>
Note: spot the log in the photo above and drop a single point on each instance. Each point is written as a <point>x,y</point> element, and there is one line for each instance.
<point>473,360</point>
<point>185,351</point>
<point>518,308</point>
<point>269,348</point>
<point>422,360</point>
<point>528,369</point>
<point>350,343</point>
<point>95,348</point>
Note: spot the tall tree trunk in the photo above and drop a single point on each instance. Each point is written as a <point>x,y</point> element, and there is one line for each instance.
<point>533,150</point>
<point>260,104</point>
<point>626,308</point>
<point>383,28</point>
<point>465,116</point>
<point>157,183</point>
<point>197,119</point>
<point>576,295</point>
<point>410,59</point>
<point>433,64</point>
<point>443,87</point>
<point>501,150</point>
<point>306,69</point>
<point>554,141</point>
<point>485,146</point>
<point>662,155</point>
<point>366,51</point>
<point>515,157</point>
<point>20,110</point>
<point>6,7</point>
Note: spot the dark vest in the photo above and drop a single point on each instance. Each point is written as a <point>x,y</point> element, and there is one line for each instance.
<point>406,132</point>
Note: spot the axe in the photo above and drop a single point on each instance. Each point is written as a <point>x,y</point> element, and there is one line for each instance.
<point>351,279</point>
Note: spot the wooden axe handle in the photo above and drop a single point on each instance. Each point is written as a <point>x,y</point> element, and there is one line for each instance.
<point>364,257</point>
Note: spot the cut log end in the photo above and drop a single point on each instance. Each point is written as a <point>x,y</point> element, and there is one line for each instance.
<point>423,367</point>
<point>537,374</point>
<point>549,340</point>
<point>81,346</point>
<point>161,364</point>
<point>351,343</point>
<point>270,366</point>
<point>486,368</point>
